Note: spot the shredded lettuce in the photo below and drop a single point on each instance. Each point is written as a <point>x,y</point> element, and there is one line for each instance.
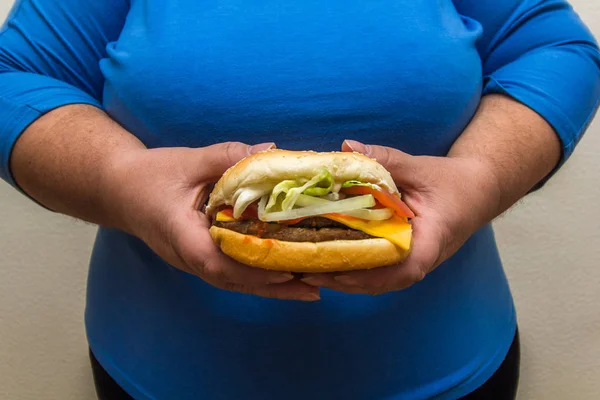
<point>244,197</point>
<point>293,198</point>
<point>262,204</point>
<point>348,184</point>
<point>323,184</point>
<point>281,187</point>
<point>319,185</point>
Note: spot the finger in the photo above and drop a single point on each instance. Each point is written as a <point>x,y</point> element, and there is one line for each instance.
<point>427,245</point>
<point>362,281</point>
<point>214,160</point>
<point>401,165</point>
<point>293,290</point>
<point>196,247</point>
<point>219,266</point>
<point>330,283</point>
<point>346,289</point>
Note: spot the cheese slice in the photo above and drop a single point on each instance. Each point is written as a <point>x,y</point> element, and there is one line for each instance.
<point>225,217</point>
<point>396,229</point>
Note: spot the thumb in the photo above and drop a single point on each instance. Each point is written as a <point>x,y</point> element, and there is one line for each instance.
<point>400,164</point>
<point>217,158</point>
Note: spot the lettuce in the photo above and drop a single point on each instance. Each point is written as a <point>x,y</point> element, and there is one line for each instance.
<point>284,196</point>
<point>244,197</point>
<point>281,187</point>
<point>351,204</point>
<point>348,184</point>
<point>319,185</point>
<point>323,184</point>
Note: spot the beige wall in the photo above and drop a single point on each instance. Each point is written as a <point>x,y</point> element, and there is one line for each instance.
<point>550,243</point>
<point>42,288</point>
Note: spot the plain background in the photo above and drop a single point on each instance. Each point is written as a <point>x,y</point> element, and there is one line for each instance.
<point>550,243</point>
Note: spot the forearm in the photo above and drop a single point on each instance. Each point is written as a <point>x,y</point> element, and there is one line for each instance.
<point>63,160</point>
<point>517,145</point>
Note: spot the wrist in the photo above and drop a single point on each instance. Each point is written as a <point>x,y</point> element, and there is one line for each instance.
<point>483,196</point>
<point>118,180</point>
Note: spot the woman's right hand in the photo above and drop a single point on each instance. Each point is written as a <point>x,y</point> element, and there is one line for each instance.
<point>157,195</point>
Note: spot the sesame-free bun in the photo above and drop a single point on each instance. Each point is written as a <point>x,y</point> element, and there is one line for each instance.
<point>331,256</point>
<point>273,166</point>
<point>270,167</point>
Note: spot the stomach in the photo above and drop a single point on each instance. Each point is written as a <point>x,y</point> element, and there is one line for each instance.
<point>443,334</point>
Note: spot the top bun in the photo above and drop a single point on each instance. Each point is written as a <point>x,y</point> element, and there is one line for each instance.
<point>272,166</point>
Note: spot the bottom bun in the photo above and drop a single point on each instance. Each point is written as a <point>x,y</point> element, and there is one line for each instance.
<point>331,256</point>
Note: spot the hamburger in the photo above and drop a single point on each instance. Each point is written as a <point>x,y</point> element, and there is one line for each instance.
<point>306,211</point>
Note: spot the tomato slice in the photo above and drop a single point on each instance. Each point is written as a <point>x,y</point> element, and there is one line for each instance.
<point>386,199</point>
<point>227,212</point>
<point>249,213</point>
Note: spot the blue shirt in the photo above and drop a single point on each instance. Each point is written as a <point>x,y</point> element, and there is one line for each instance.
<point>305,74</point>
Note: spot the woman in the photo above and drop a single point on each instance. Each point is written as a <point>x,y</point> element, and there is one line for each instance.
<point>123,113</point>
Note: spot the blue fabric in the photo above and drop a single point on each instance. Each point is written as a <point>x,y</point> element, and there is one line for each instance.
<point>407,74</point>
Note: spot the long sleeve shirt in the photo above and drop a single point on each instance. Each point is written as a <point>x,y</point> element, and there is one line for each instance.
<point>407,74</point>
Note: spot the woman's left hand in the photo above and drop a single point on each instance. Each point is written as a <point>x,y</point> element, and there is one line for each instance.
<point>451,197</point>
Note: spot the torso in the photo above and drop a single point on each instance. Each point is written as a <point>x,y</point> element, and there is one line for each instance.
<point>305,75</point>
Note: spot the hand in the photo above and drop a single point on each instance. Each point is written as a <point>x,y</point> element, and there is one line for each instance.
<point>451,197</point>
<point>158,194</point>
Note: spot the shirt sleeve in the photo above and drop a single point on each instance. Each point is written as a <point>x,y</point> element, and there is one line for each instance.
<point>540,53</point>
<point>49,57</point>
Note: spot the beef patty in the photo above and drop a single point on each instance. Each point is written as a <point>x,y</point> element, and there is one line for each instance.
<point>308,230</point>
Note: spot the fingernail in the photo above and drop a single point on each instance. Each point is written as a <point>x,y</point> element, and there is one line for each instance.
<point>313,281</point>
<point>261,147</point>
<point>358,146</point>
<point>310,297</point>
<point>281,278</point>
<point>346,280</point>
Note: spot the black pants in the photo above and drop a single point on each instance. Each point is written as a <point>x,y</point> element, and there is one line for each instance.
<point>501,386</point>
